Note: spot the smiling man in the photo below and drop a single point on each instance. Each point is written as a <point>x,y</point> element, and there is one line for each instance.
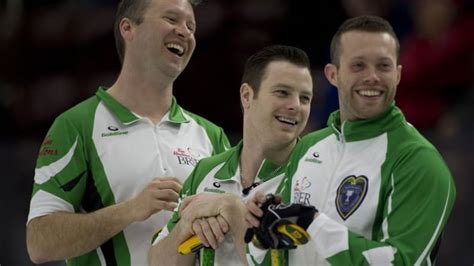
<point>110,169</point>
<point>276,95</point>
<point>383,192</point>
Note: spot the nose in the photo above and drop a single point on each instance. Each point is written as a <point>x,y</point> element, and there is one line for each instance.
<point>182,30</point>
<point>294,104</point>
<point>372,76</point>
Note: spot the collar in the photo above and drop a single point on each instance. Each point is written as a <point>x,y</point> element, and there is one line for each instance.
<point>228,171</point>
<point>174,115</point>
<point>367,128</point>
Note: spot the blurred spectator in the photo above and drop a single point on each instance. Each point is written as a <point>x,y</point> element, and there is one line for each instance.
<point>395,11</point>
<point>436,59</point>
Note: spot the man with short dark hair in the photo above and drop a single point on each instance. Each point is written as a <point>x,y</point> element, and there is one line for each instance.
<point>275,94</point>
<point>383,192</point>
<point>110,169</point>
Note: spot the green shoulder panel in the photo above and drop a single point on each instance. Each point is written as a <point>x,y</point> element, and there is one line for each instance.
<point>421,180</point>
<point>415,212</point>
<point>61,166</point>
<point>417,194</point>
<point>69,162</point>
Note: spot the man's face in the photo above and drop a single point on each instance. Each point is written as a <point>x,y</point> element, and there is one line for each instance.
<point>165,39</point>
<point>279,112</point>
<point>367,76</point>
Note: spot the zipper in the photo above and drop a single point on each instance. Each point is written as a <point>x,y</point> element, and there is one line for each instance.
<point>341,152</point>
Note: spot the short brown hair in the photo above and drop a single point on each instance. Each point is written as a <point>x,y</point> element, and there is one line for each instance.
<point>362,23</point>
<point>133,10</point>
<point>256,64</point>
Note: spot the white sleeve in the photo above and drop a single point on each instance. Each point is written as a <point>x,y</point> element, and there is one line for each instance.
<point>44,203</point>
<point>164,233</point>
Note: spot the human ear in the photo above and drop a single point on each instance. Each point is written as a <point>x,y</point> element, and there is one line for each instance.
<point>126,29</point>
<point>330,71</point>
<point>246,95</point>
<point>399,73</point>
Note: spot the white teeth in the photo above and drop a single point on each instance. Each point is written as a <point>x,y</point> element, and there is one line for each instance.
<point>369,93</point>
<point>286,120</point>
<point>175,46</point>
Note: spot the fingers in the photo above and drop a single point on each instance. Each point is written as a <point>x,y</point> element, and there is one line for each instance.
<point>145,205</point>
<point>162,193</point>
<point>223,224</point>
<point>253,206</point>
<point>278,198</point>
<point>254,211</point>
<point>251,220</point>
<point>198,230</point>
<point>166,195</point>
<point>172,183</point>
<point>208,230</point>
<point>260,197</point>
<point>166,205</point>
<point>211,230</point>
<point>216,229</point>
<point>165,188</point>
<point>168,178</point>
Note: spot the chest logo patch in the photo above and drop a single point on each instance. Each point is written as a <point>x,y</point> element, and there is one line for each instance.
<point>314,158</point>
<point>113,131</point>
<point>299,196</point>
<point>187,156</point>
<point>350,194</point>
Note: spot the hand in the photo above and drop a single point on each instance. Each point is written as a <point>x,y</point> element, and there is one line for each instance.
<point>294,219</point>
<point>162,193</point>
<point>229,206</point>
<point>211,231</point>
<point>211,204</point>
<point>254,207</point>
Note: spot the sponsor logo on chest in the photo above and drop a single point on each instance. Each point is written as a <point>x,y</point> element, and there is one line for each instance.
<point>314,158</point>
<point>213,190</point>
<point>300,196</point>
<point>187,156</point>
<point>113,131</point>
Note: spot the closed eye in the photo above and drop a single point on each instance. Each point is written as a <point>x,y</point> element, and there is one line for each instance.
<point>191,27</point>
<point>357,66</point>
<point>281,93</point>
<point>386,66</point>
<point>171,20</point>
<point>305,99</point>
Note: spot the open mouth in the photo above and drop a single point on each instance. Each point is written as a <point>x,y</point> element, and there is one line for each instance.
<point>369,93</point>
<point>175,49</point>
<point>286,120</point>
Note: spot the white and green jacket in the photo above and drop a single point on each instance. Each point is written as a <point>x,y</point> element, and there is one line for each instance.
<point>383,191</point>
<point>221,174</point>
<point>99,153</point>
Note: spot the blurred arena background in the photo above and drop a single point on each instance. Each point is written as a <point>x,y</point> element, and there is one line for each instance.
<point>55,53</point>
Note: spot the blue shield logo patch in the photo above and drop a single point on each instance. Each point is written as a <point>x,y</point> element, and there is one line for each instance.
<point>350,194</point>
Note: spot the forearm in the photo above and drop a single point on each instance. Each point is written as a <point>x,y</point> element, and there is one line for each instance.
<point>67,235</point>
<point>165,252</point>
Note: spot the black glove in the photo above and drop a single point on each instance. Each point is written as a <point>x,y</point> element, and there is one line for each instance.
<point>282,226</point>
